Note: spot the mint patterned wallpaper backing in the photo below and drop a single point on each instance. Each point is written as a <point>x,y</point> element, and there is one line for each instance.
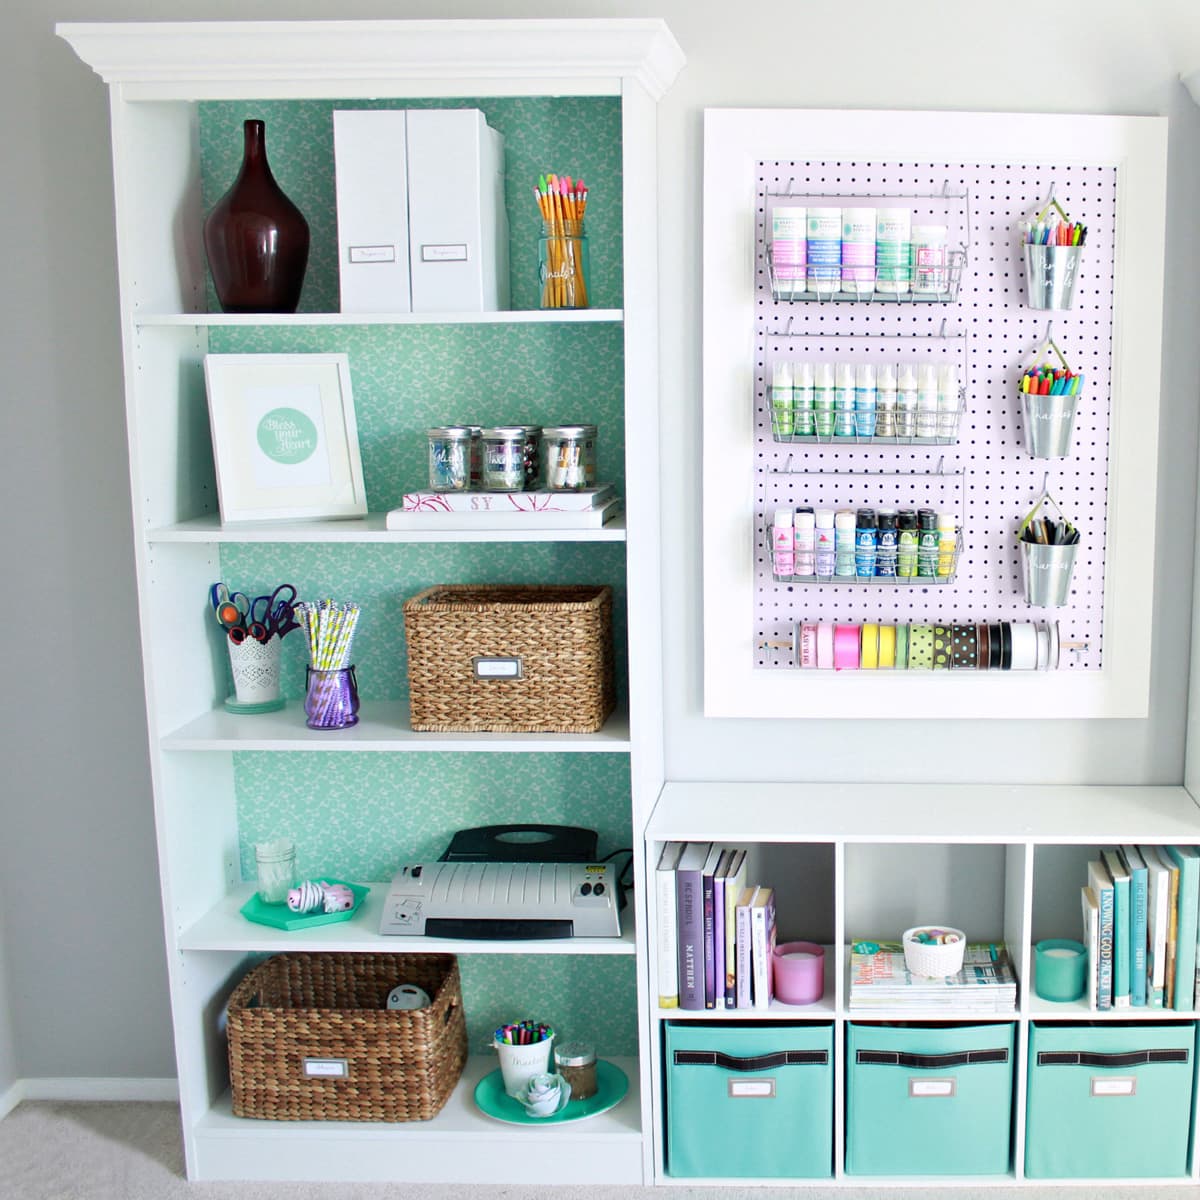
<point>359,816</point>
<point>569,135</point>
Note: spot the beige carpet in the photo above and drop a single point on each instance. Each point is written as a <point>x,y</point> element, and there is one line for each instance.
<point>118,1151</point>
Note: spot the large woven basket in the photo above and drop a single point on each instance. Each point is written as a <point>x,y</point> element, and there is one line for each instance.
<point>556,640</point>
<point>311,1039</point>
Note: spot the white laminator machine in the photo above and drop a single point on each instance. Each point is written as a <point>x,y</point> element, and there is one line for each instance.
<point>499,900</point>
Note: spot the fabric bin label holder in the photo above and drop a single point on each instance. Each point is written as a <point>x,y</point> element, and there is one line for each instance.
<point>742,1089</point>
<point>924,1086</point>
<point>1111,1085</point>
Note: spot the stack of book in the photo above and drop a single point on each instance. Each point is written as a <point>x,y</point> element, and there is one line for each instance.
<point>879,979</point>
<point>583,508</point>
<point>716,933</point>
<point>1140,927</point>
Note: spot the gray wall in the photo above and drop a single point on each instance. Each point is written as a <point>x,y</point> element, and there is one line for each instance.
<point>77,874</point>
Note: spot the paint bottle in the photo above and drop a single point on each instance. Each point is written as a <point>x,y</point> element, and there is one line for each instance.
<point>907,538</point>
<point>781,399</point>
<point>844,523</point>
<point>885,403</point>
<point>804,526</point>
<point>858,251</point>
<point>843,401</point>
<point>948,413</point>
<point>927,543</point>
<point>802,399</point>
<point>824,250</point>
<point>893,236</point>
<point>887,546</point>
<point>823,400</point>
<point>947,544</point>
<point>864,400</point>
<point>866,536</point>
<point>788,250</point>
<point>929,260</point>
<point>783,544</point>
<point>906,401</point>
<point>825,551</point>
<point>927,401</point>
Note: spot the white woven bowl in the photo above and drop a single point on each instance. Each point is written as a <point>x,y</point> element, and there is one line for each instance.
<point>934,959</point>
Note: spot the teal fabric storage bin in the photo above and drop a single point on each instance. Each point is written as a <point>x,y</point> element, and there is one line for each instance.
<point>929,1099</point>
<point>1109,1101</point>
<point>749,1101</point>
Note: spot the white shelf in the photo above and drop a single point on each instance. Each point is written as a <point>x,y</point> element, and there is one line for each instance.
<point>225,929</point>
<point>366,529</point>
<point>1077,1010</point>
<point>741,812</point>
<point>384,726</point>
<point>459,1145</point>
<point>553,316</point>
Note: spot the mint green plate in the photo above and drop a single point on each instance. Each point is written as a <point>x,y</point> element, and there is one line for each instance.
<point>611,1086</point>
<point>281,917</point>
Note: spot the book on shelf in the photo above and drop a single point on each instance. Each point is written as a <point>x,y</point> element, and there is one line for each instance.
<point>745,985</point>
<point>1172,868</point>
<point>665,928</point>
<point>735,884</point>
<point>708,887</point>
<point>1186,859</point>
<point>762,946</point>
<point>1139,885</point>
<point>1091,939</point>
<point>474,503</point>
<point>513,517</point>
<point>720,880</point>
<point>880,979</point>
<point>1100,882</point>
<point>1157,898</point>
<point>1121,926</point>
<point>689,906</point>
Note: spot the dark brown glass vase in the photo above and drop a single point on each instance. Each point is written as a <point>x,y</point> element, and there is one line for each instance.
<point>256,239</point>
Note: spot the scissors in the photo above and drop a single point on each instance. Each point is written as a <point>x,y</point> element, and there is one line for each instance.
<point>276,615</point>
<point>232,608</point>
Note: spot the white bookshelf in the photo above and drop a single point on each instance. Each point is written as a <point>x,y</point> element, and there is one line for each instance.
<point>158,75</point>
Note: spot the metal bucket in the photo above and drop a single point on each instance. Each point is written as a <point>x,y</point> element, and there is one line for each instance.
<point>1046,573</point>
<point>1050,274</point>
<point>1049,421</point>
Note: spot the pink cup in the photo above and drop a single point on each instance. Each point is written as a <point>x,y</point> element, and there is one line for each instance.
<point>799,972</point>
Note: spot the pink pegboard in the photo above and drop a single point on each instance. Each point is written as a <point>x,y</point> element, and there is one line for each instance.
<point>986,476</point>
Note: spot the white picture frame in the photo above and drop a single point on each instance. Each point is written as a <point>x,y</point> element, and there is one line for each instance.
<point>284,435</point>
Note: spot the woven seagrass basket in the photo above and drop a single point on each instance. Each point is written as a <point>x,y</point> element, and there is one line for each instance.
<point>507,658</point>
<point>310,1038</point>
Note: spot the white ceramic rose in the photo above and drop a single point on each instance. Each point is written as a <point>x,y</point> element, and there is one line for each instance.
<point>544,1095</point>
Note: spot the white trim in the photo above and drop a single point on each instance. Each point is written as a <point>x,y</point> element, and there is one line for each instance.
<point>178,55</point>
<point>85,1087</point>
<point>734,140</point>
<point>11,1098</point>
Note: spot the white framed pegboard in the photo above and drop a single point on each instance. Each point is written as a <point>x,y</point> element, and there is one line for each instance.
<point>1108,173</point>
<point>990,334</point>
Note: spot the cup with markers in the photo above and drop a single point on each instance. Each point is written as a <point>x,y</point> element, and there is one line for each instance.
<point>1049,398</point>
<point>1053,246</point>
<point>524,1050</point>
<point>1048,548</point>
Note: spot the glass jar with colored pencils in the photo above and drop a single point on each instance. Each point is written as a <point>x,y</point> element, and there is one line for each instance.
<point>563,266</point>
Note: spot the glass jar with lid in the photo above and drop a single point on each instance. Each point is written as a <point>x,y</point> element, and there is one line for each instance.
<point>504,458</point>
<point>449,458</point>
<point>569,457</point>
<point>533,455</point>
<point>576,1063</point>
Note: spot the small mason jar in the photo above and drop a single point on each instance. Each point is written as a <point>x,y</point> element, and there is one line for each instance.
<point>476,457</point>
<point>533,456</point>
<point>276,862</point>
<point>576,1063</point>
<point>569,457</point>
<point>449,458</point>
<point>563,266</point>
<point>504,458</point>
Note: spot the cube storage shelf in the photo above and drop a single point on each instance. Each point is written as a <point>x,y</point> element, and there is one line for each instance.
<point>848,862</point>
<point>179,94</point>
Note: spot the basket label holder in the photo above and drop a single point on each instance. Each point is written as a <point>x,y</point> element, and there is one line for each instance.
<point>497,667</point>
<point>327,1068</point>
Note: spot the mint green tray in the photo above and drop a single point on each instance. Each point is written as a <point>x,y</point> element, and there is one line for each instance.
<point>279,916</point>
<point>611,1086</point>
